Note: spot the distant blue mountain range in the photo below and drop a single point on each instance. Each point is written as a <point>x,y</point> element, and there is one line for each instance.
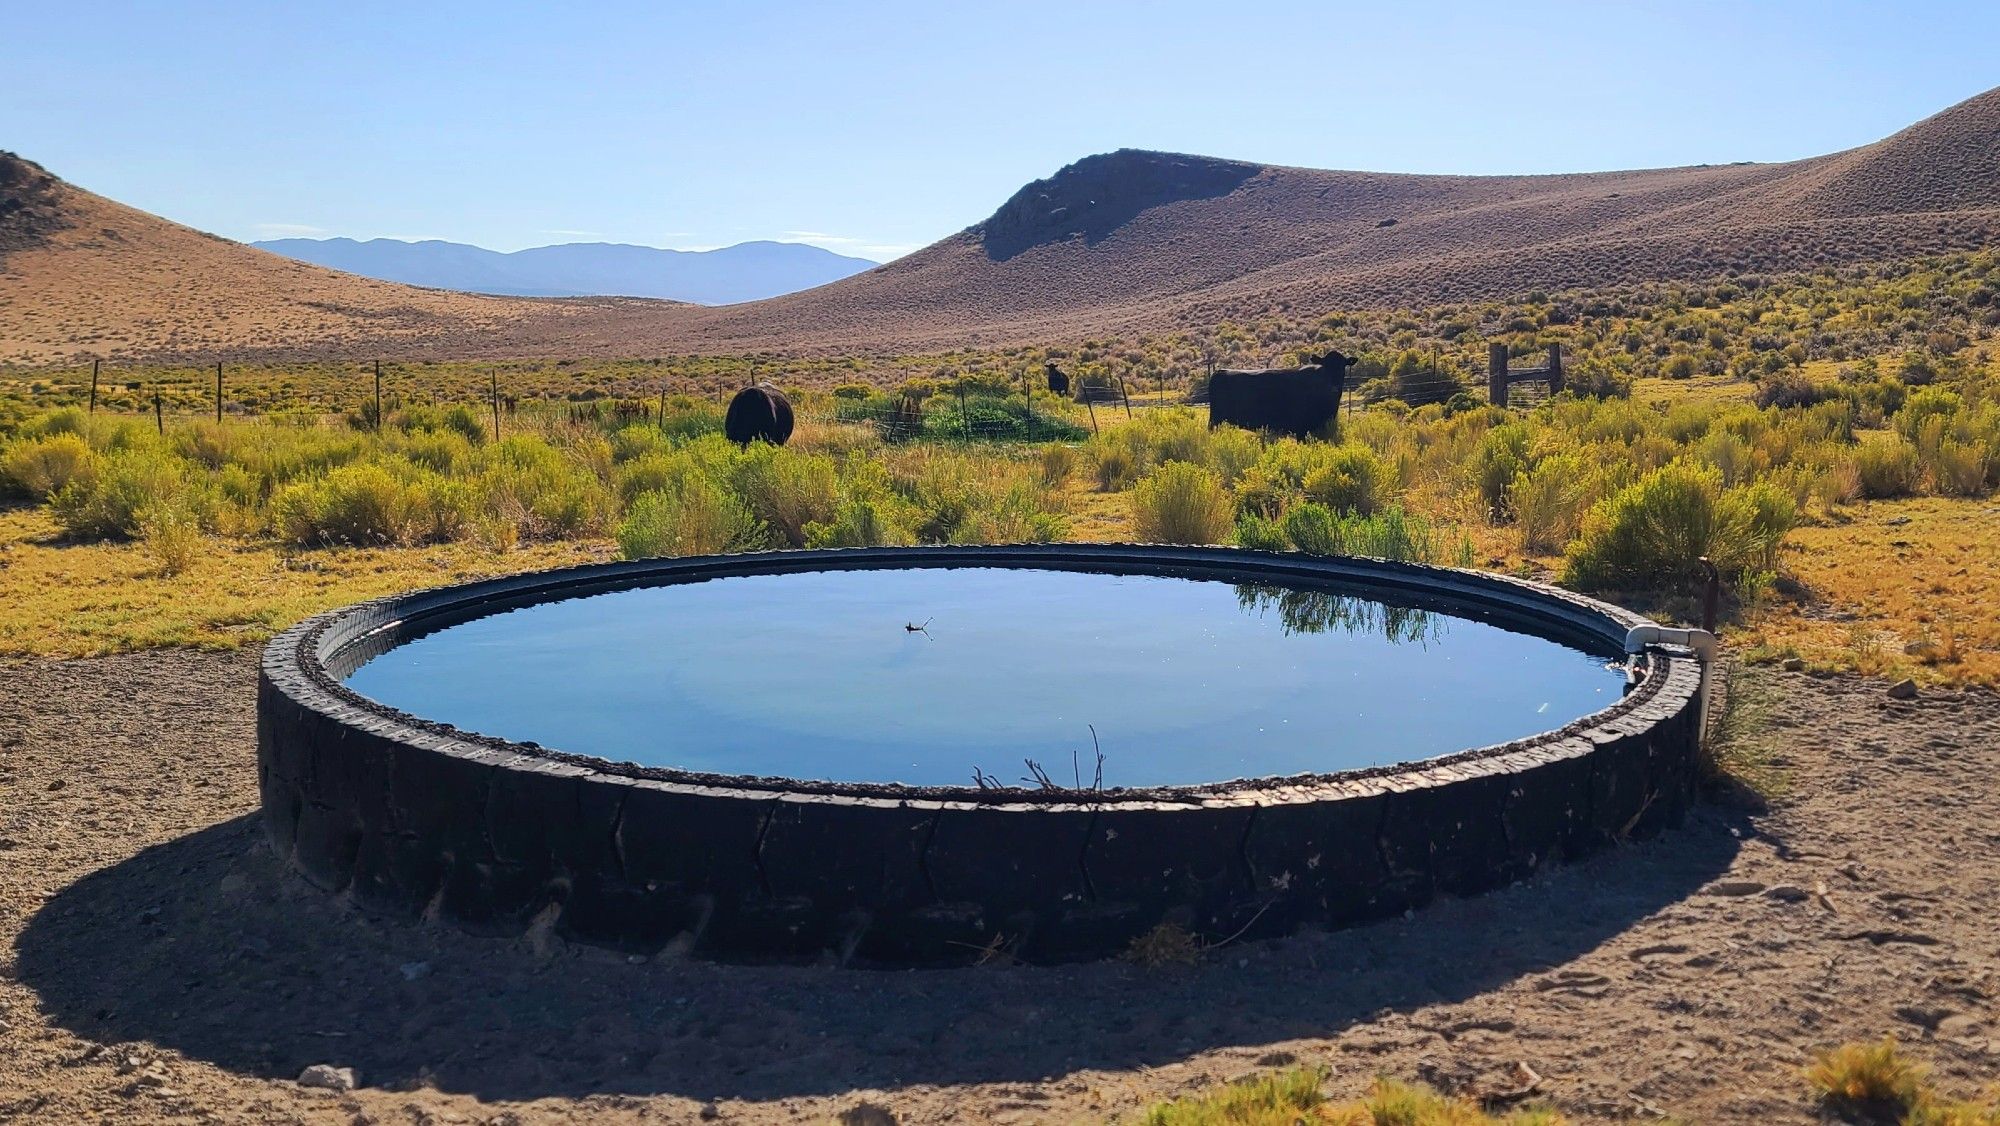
<point>748,271</point>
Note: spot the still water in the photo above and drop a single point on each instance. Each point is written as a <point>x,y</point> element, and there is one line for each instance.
<point>822,675</point>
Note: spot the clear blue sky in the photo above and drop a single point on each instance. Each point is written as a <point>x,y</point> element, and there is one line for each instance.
<point>878,129</point>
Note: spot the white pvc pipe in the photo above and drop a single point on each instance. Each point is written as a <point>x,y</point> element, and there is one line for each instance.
<point>1703,643</point>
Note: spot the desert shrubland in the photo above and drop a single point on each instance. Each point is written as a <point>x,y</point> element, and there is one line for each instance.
<point>1803,398</point>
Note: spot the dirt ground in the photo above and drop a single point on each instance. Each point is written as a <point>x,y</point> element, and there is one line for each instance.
<point>157,966</point>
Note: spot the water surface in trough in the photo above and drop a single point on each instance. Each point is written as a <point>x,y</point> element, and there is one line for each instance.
<point>821,675</point>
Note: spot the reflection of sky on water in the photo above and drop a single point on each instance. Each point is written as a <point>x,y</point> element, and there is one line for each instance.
<point>814,676</point>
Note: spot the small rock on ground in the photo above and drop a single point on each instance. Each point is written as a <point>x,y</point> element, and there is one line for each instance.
<point>328,1077</point>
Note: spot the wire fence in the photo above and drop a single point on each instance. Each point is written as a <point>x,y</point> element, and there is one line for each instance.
<point>967,411</point>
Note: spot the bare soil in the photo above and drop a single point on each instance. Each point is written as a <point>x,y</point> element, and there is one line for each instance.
<point>157,965</point>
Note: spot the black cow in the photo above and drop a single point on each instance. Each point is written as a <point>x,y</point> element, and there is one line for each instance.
<point>760,412</point>
<point>1298,401</point>
<point>1058,379</point>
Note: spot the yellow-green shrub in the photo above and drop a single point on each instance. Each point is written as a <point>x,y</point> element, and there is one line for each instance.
<point>860,522</point>
<point>1314,528</point>
<point>1058,461</point>
<point>170,531</point>
<point>1549,501</point>
<point>41,467</point>
<point>691,515</point>
<point>1232,451</point>
<point>1654,532</point>
<point>1115,465</point>
<point>1500,458</point>
<point>441,451</point>
<point>1181,502</point>
<point>1350,479</point>
<point>547,493</point>
<point>1018,513</point>
<point>352,504</point>
<point>785,489</point>
<point>106,502</point>
<point>1886,468</point>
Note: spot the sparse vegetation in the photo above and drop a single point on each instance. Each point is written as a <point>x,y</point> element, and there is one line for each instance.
<point>1876,1083</point>
<point>1295,1097</point>
<point>1740,749</point>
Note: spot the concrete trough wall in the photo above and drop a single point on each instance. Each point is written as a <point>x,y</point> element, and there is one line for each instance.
<point>414,818</point>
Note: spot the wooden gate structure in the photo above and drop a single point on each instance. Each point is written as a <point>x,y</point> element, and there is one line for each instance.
<point>1499,377</point>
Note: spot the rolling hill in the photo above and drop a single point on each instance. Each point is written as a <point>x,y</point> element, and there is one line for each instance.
<point>748,271</point>
<point>1130,241</point>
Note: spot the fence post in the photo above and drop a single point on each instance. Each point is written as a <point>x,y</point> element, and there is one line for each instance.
<point>1496,375</point>
<point>1092,407</point>
<point>495,374</point>
<point>1556,373</point>
<point>378,395</point>
<point>93,385</point>
<point>218,390</point>
<point>663,406</point>
<point>1711,593</point>
<point>1028,389</point>
<point>159,413</point>
<point>1123,395</point>
<point>964,416</point>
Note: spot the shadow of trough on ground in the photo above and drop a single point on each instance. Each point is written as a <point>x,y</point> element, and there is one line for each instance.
<point>206,946</point>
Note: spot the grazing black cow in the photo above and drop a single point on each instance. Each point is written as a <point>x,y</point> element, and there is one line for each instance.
<point>760,412</point>
<point>1298,401</point>
<point>1058,379</point>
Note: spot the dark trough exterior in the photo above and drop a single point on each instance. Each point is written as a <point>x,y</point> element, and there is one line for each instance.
<point>414,818</point>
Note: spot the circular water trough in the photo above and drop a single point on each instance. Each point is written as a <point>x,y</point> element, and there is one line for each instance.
<point>414,817</point>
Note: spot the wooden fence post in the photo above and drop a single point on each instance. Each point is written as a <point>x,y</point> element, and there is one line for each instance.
<point>1091,405</point>
<point>93,385</point>
<point>218,390</point>
<point>1124,396</point>
<point>663,405</point>
<point>1711,593</point>
<point>495,373</point>
<point>1555,369</point>
<point>964,416</point>
<point>378,395</point>
<point>159,412</point>
<point>1028,389</point>
<point>1496,375</point>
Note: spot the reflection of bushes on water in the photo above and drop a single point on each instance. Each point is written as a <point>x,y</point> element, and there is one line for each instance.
<point>1316,611</point>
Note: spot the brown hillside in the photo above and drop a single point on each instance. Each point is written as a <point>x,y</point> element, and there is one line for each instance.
<point>1128,241</point>
<point>81,275</point>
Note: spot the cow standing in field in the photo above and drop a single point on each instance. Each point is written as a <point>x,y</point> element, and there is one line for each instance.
<point>1301,402</point>
<point>1058,379</point>
<point>760,413</point>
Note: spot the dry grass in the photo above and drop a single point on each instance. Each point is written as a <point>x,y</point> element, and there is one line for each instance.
<point>1903,587</point>
<point>1167,944</point>
<point>1743,749</point>
<point>1699,389</point>
<point>1877,1083</point>
<point>1295,1098</point>
<point>1867,1080</point>
<point>75,600</point>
